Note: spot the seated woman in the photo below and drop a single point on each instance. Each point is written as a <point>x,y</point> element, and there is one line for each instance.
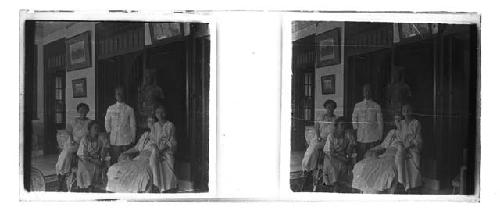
<point>338,153</point>
<point>316,138</point>
<point>134,174</point>
<point>91,153</point>
<point>408,159</point>
<point>70,142</point>
<point>164,132</point>
<point>154,164</point>
<point>394,161</point>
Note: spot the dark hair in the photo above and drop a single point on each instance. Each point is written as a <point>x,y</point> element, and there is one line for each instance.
<point>92,123</point>
<point>329,101</point>
<point>160,106</point>
<point>341,120</point>
<point>82,105</point>
<point>120,87</point>
<point>367,85</point>
<point>407,105</point>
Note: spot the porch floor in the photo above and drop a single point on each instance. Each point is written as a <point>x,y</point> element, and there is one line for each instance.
<point>296,166</point>
<point>47,163</point>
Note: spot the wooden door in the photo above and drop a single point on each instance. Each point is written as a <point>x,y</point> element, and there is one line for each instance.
<point>303,90</point>
<point>370,68</point>
<point>55,97</point>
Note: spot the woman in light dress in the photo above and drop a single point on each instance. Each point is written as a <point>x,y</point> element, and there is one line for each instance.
<point>91,154</point>
<point>338,151</point>
<point>154,163</point>
<point>316,138</point>
<point>70,140</point>
<point>395,160</point>
<point>164,177</point>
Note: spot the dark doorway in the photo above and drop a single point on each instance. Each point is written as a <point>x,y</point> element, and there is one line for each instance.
<point>169,60</point>
<point>124,70</point>
<point>370,68</point>
<point>55,97</point>
<point>418,61</point>
<point>303,88</point>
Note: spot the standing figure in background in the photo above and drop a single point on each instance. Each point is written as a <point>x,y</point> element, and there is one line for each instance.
<point>70,142</point>
<point>367,121</point>
<point>120,124</point>
<point>316,138</point>
<point>150,96</point>
<point>397,92</point>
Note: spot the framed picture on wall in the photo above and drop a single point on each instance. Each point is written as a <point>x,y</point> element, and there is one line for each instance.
<point>328,84</point>
<point>78,54</point>
<point>415,31</point>
<point>165,31</point>
<point>79,88</point>
<point>328,48</point>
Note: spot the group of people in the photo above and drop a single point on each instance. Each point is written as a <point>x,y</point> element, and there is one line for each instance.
<point>376,165</point>
<point>143,166</point>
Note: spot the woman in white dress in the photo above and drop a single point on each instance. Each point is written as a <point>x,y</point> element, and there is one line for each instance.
<point>133,172</point>
<point>164,178</point>
<point>70,140</point>
<point>154,163</point>
<point>395,160</point>
<point>316,138</point>
<point>408,159</point>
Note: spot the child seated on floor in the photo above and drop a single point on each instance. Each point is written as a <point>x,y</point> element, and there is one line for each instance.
<point>338,151</point>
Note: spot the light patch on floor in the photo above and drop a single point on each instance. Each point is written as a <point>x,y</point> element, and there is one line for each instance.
<point>296,161</point>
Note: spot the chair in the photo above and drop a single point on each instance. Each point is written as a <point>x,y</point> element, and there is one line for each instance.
<point>37,182</point>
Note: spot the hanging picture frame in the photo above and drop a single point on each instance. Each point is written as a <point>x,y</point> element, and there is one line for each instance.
<point>328,84</point>
<point>165,31</point>
<point>79,88</point>
<point>328,48</point>
<point>78,53</point>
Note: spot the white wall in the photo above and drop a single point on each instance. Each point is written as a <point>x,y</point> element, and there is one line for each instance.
<point>337,70</point>
<point>88,73</point>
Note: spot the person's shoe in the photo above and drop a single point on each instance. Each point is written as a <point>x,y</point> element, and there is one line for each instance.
<point>155,189</point>
<point>61,182</point>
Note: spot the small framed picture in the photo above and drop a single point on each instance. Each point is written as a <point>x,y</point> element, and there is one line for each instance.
<point>328,48</point>
<point>79,88</point>
<point>328,84</point>
<point>78,54</point>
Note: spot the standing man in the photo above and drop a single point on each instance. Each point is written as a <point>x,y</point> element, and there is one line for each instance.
<point>120,124</point>
<point>398,93</point>
<point>367,121</point>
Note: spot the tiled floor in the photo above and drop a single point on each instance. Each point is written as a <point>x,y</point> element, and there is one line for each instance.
<point>296,165</point>
<point>296,161</point>
<point>47,164</point>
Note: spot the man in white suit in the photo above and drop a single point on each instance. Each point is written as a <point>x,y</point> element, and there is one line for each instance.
<point>367,121</point>
<point>120,125</point>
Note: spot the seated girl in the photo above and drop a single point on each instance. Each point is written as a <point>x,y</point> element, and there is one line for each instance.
<point>338,150</point>
<point>70,141</point>
<point>153,168</point>
<point>91,153</point>
<point>387,164</point>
